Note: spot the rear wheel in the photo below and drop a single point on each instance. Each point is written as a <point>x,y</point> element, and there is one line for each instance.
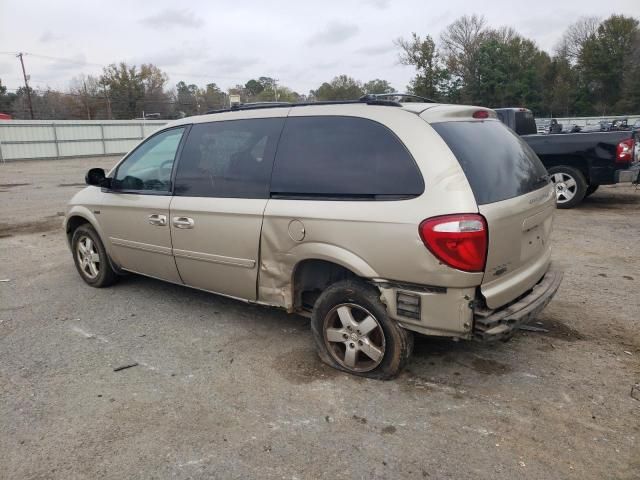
<point>91,258</point>
<point>353,332</point>
<point>591,189</point>
<point>570,185</point>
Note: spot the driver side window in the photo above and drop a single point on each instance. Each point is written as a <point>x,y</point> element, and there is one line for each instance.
<point>149,166</point>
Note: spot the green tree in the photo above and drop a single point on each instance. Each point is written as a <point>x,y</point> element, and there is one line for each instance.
<point>133,91</point>
<point>341,87</point>
<point>6,99</point>
<point>254,87</point>
<point>604,58</point>
<point>377,86</point>
<point>432,78</point>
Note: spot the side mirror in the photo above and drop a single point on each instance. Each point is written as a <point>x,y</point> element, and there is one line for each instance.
<point>95,177</point>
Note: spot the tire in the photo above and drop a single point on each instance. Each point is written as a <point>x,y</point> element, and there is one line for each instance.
<point>591,189</point>
<point>353,332</point>
<point>570,184</point>
<point>91,259</point>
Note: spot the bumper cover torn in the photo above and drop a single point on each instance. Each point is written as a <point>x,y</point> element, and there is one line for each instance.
<point>500,324</point>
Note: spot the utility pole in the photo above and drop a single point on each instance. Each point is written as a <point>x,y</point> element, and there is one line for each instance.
<point>86,99</point>
<point>275,88</point>
<point>26,84</point>
<point>104,89</point>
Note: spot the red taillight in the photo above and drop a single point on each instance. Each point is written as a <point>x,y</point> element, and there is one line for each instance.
<point>459,241</point>
<point>480,114</point>
<point>624,151</point>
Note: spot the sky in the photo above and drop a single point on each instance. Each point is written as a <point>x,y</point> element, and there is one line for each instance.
<point>302,44</point>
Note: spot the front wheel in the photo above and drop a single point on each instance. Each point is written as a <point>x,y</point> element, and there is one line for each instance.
<point>570,185</point>
<point>91,258</point>
<point>353,332</point>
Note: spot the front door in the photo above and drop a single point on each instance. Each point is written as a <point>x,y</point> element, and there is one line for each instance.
<point>134,214</point>
<point>222,186</point>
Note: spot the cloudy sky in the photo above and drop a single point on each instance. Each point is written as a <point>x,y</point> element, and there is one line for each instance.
<point>228,42</point>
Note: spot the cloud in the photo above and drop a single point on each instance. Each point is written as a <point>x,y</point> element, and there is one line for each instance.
<point>173,18</point>
<point>381,4</point>
<point>228,64</point>
<point>376,49</point>
<point>49,36</point>
<point>334,32</point>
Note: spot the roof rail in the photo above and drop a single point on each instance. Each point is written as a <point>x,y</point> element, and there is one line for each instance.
<point>368,100</point>
<point>397,94</point>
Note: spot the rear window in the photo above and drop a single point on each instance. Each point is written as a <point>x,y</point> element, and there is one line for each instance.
<point>525,123</point>
<point>498,164</point>
<point>343,158</point>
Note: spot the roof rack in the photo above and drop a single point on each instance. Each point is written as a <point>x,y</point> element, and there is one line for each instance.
<point>365,99</point>
<point>397,94</point>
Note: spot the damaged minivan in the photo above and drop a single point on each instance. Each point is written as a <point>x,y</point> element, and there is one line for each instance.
<point>376,218</point>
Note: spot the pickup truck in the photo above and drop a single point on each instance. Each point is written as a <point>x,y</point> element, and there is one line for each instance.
<point>578,163</point>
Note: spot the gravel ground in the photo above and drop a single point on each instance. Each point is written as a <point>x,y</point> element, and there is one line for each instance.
<point>227,390</point>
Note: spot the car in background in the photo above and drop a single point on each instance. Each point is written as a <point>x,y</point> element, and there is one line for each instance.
<point>578,163</point>
<point>5,116</point>
<point>374,218</point>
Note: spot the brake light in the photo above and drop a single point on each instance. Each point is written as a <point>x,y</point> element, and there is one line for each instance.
<point>480,114</point>
<point>459,241</point>
<point>624,151</point>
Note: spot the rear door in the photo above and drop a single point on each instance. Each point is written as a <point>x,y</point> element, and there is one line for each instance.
<point>513,193</point>
<point>221,190</point>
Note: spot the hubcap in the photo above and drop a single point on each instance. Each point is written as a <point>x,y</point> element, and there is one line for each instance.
<point>566,186</point>
<point>354,337</point>
<point>88,257</point>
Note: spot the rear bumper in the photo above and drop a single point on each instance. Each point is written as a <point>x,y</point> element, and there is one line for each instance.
<point>629,175</point>
<point>500,324</point>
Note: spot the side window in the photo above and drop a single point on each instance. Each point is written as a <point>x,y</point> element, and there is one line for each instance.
<point>228,159</point>
<point>343,157</point>
<point>149,166</point>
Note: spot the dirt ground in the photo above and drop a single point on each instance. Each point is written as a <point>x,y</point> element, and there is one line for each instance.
<point>227,390</point>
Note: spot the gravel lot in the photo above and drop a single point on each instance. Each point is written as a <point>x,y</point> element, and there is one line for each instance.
<point>228,390</point>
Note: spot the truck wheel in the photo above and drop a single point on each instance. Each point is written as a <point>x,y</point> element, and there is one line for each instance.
<point>91,258</point>
<point>591,189</point>
<point>353,332</point>
<point>570,185</point>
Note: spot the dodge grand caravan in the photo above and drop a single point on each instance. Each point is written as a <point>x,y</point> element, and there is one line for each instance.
<point>374,218</point>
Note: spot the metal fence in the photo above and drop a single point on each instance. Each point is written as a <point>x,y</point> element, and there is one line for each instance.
<point>46,139</point>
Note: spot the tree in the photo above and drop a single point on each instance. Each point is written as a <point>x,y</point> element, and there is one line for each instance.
<point>432,77</point>
<point>570,46</point>
<point>133,91</point>
<point>461,42</point>
<point>341,87</point>
<point>377,86</point>
<point>604,58</point>
<point>6,99</point>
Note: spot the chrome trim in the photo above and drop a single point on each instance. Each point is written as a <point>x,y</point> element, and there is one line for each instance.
<point>208,257</point>
<point>146,247</point>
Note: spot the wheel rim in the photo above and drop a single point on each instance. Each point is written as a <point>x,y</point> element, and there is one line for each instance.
<point>565,185</point>
<point>88,257</point>
<point>354,337</point>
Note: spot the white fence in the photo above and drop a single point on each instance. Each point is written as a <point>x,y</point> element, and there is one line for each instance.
<point>42,139</point>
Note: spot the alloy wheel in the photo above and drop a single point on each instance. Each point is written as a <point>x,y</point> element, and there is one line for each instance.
<point>565,186</point>
<point>88,257</point>
<point>354,337</point>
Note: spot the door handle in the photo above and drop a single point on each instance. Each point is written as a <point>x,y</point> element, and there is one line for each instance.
<point>158,220</point>
<point>183,222</point>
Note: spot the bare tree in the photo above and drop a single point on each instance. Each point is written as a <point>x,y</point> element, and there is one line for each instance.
<point>460,42</point>
<point>574,38</point>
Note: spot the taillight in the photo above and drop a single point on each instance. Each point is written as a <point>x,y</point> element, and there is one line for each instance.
<point>624,151</point>
<point>459,241</point>
<point>480,114</point>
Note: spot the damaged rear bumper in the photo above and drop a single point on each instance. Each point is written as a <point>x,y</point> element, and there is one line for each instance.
<point>501,323</point>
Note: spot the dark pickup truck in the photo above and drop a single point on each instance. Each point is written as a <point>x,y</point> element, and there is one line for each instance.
<point>578,163</point>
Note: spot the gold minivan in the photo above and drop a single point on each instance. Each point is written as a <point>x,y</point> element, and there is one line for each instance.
<point>375,218</point>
